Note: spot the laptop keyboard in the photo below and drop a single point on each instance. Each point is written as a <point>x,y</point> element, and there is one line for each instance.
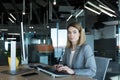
<point>49,69</point>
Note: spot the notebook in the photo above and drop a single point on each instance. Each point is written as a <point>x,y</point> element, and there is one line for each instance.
<point>51,71</point>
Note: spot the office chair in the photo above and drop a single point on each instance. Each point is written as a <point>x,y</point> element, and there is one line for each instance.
<point>102,65</point>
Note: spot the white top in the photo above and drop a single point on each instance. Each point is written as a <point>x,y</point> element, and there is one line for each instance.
<point>71,57</point>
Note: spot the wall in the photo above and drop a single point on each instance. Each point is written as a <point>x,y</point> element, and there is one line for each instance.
<point>90,40</point>
<point>105,33</point>
<point>105,42</point>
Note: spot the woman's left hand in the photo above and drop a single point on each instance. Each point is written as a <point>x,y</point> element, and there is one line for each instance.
<point>66,69</point>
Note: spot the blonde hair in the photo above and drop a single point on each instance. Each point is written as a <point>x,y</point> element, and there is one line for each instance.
<point>82,38</point>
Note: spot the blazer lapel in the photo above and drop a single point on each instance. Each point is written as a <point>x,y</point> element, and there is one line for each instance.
<point>68,57</point>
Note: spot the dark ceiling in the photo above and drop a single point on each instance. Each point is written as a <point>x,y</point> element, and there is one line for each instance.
<point>38,11</point>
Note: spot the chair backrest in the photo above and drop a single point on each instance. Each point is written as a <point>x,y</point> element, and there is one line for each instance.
<point>102,65</point>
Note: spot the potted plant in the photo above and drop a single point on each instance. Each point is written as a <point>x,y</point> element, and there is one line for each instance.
<point>18,55</point>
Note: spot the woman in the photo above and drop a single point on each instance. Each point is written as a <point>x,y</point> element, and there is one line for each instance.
<point>78,57</point>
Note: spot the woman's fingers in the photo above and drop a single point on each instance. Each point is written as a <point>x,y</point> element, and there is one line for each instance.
<point>66,69</point>
<point>62,68</point>
<point>56,66</point>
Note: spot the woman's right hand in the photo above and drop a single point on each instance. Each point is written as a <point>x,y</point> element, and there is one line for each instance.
<point>56,66</point>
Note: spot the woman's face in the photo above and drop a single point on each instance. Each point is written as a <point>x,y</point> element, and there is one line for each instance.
<point>73,34</point>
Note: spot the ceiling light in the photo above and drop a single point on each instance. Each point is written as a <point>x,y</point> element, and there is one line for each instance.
<point>54,2</point>
<point>11,38</point>
<point>23,7</point>
<point>12,16</point>
<point>92,10</point>
<point>109,14</point>
<point>23,13</point>
<point>106,8</point>
<point>79,13</point>
<point>13,33</point>
<point>31,27</point>
<point>93,5</point>
<point>11,20</point>
<point>48,26</point>
<point>3,29</point>
<point>102,10</point>
<point>101,3</point>
<point>69,17</point>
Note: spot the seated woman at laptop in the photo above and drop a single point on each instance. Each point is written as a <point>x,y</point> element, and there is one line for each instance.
<point>78,58</point>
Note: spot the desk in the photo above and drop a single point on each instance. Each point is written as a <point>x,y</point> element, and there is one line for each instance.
<point>40,76</point>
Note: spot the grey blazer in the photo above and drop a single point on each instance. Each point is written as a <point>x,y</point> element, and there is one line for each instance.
<point>83,62</point>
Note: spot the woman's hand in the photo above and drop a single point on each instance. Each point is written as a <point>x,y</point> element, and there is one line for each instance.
<point>56,66</point>
<point>65,69</point>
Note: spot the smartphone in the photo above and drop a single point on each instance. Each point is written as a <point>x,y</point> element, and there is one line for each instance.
<point>29,74</point>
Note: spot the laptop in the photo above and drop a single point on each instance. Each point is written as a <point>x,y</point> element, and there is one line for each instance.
<point>51,71</point>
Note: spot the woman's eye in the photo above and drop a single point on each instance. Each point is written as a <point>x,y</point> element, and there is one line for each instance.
<point>74,32</point>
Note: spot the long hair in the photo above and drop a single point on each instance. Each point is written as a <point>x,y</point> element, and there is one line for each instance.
<point>82,38</point>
